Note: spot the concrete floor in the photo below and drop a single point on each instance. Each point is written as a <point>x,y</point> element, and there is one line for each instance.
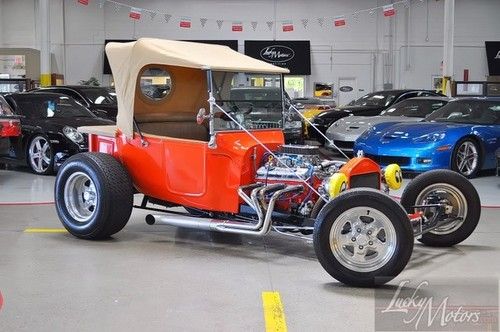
<point>158,278</point>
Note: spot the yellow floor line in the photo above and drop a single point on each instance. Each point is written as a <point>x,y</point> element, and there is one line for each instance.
<point>45,230</point>
<point>274,315</point>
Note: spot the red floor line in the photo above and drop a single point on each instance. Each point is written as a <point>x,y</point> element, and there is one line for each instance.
<point>25,203</point>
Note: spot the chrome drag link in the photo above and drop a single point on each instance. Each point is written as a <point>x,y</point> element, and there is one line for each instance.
<point>262,227</point>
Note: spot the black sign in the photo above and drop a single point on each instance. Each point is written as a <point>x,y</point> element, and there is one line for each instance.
<point>493,55</point>
<point>230,43</point>
<point>346,88</point>
<point>294,55</point>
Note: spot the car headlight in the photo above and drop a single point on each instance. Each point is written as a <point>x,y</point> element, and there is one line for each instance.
<point>73,134</point>
<point>434,137</point>
<point>293,124</point>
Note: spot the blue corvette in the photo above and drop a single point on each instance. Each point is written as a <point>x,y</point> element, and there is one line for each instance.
<point>463,136</point>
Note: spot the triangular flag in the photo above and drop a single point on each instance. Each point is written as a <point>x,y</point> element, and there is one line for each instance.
<point>83,2</point>
<point>321,21</point>
<point>237,27</point>
<point>167,17</point>
<point>152,15</point>
<point>135,13</point>
<point>185,23</point>
<point>117,7</point>
<point>254,25</point>
<point>304,21</point>
<point>389,10</point>
<point>270,24</point>
<point>203,21</point>
<point>339,21</point>
<point>219,23</point>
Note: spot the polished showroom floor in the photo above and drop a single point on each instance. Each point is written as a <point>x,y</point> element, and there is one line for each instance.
<point>158,278</point>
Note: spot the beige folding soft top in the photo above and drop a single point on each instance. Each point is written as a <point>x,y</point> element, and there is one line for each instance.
<point>127,60</point>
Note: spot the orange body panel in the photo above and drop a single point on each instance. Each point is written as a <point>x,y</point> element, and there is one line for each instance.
<point>188,172</point>
<point>360,166</point>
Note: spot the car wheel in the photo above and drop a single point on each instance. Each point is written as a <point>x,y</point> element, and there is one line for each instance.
<point>453,189</point>
<point>94,195</point>
<point>363,238</point>
<point>40,156</point>
<point>466,158</point>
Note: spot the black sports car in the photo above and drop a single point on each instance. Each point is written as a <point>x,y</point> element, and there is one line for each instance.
<point>49,135</point>
<point>100,100</point>
<point>371,104</point>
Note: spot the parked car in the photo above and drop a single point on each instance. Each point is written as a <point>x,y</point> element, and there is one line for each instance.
<point>10,127</point>
<point>100,100</point>
<point>462,136</point>
<point>267,110</point>
<point>371,104</point>
<point>345,131</point>
<point>245,180</point>
<point>49,135</point>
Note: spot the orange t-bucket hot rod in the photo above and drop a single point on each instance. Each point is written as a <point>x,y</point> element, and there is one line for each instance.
<point>182,139</point>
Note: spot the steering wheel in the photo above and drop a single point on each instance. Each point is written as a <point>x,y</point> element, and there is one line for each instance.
<point>240,109</point>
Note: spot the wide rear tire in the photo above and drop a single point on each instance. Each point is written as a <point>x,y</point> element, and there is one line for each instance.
<point>457,191</point>
<point>93,195</point>
<point>363,238</point>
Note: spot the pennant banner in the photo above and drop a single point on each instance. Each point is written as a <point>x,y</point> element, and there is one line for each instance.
<point>203,21</point>
<point>83,2</point>
<point>237,27</point>
<point>305,22</point>
<point>389,10</point>
<point>254,25</point>
<point>135,13</point>
<point>339,21</point>
<point>270,25</point>
<point>219,23</point>
<point>152,15</point>
<point>185,23</point>
<point>287,26</point>
<point>321,21</point>
<point>167,17</point>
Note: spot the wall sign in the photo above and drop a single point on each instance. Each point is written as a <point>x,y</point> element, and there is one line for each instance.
<point>294,55</point>
<point>493,55</point>
<point>230,43</point>
<point>13,66</point>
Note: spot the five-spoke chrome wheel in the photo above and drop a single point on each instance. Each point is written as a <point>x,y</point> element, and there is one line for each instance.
<point>81,197</point>
<point>466,158</point>
<point>363,239</point>
<point>40,155</point>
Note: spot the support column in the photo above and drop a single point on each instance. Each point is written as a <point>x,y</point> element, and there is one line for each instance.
<point>44,14</point>
<point>449,32</point>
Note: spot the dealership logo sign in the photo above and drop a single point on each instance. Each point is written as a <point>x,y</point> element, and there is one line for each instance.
<point>497,57</point>
<point>277,53</point>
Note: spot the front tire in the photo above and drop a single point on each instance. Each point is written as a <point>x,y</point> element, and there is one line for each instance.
<point>466,158</point>
<point>40,156</point>
<point>93,195</point>
<point>453,189</point>
<point>363,238</point>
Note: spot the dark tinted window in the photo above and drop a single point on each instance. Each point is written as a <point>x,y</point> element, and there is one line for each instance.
<point>417,108</point>
<point>36,106</point>
<point>99,96</point>
<point>468,111</point>
<point>4,107</point>
<point>382,98</point>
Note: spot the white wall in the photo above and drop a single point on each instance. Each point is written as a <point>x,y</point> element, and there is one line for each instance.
<point>361,50</point>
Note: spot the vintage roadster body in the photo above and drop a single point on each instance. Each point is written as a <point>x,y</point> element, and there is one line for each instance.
<point>181,140</point>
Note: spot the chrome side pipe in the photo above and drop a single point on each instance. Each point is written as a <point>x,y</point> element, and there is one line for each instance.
<point>262,227</point>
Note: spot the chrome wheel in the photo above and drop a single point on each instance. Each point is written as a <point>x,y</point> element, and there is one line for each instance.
<point>363,239</point>
<point>40,154</point>
<point>447,194</point>
<point>80,197</point>
<point>467,158</point>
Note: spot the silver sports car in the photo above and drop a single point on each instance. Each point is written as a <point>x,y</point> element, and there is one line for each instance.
<point>345,131</point>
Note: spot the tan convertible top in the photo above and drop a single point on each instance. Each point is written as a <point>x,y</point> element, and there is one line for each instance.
<point>127,60</point>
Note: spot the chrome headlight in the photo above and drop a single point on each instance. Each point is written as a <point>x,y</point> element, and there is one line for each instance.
<point>73,134</point>
<point>293,124</point>
<point>434,137</point>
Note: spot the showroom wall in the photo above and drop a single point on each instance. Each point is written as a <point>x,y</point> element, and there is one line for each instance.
<point>372,49</point>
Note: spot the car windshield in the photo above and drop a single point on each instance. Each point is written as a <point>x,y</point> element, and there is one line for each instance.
<point>100,96</point>
<point>254,100</point>
<point>468,111</point>
<point>4,107</point>
<point>375,99</point>
<point>414,108</point>
<point>37,106</point>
